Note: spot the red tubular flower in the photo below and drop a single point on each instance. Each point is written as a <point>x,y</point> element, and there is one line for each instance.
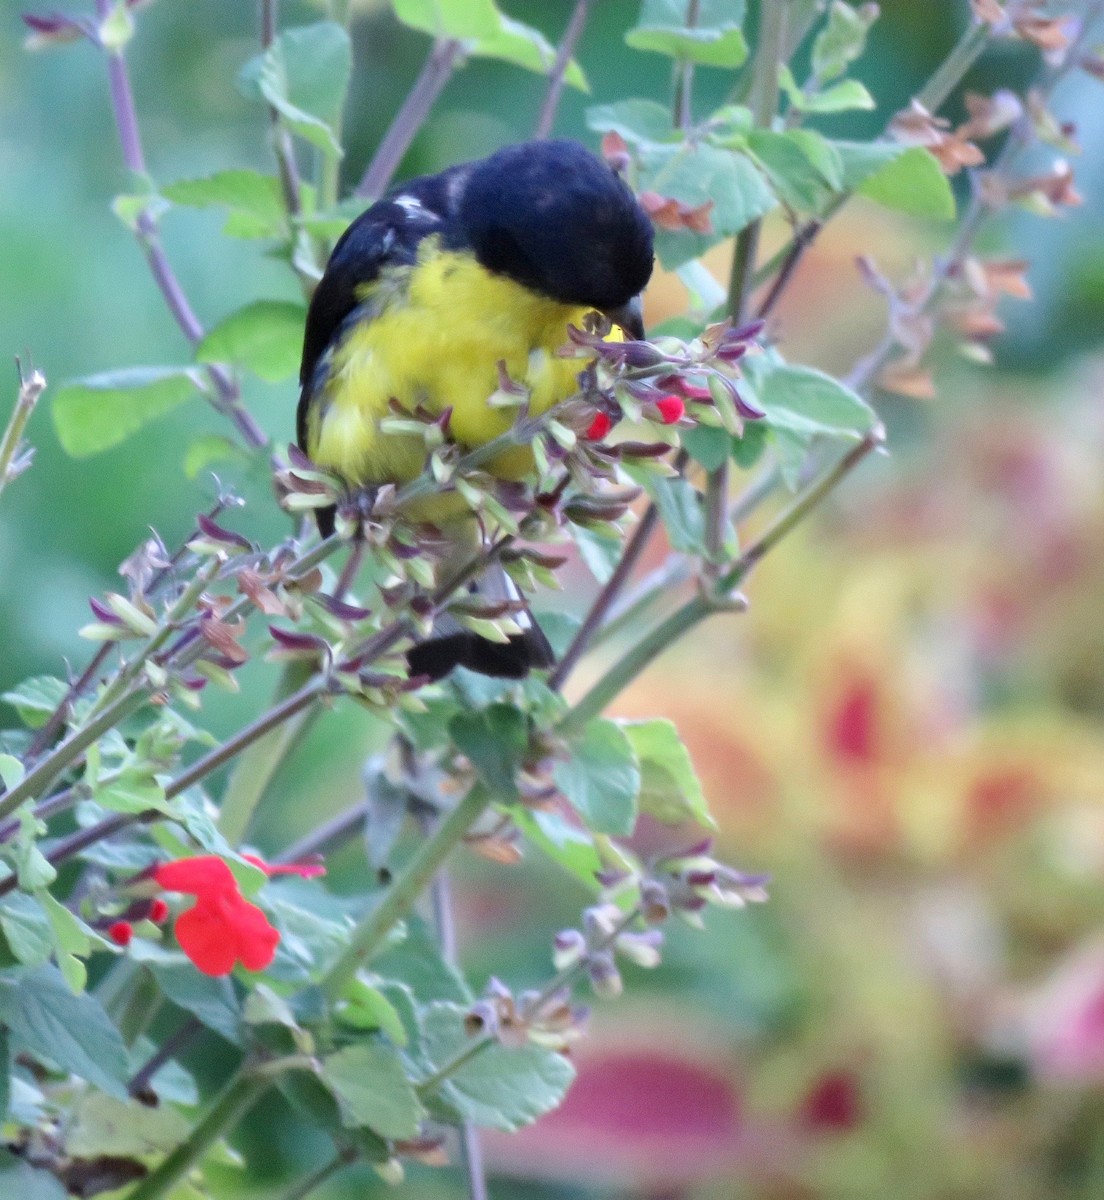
<point>303,870</point>
<point>120,932</point>
<point>222,928</point>
<point>599,427</point>
<point>670,409</point>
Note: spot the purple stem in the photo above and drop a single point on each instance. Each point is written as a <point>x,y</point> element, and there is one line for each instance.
<point>435,73</point>
<point>559,68</point>
<point>130,140</point>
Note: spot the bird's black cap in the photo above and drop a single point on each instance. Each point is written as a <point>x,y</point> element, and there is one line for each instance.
<point>553,217</point>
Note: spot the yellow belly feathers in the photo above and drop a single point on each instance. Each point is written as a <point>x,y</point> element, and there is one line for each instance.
<point>438,344</point>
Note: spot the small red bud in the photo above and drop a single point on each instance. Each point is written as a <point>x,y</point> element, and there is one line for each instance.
<point>158,910</point>
<point>599,427</point>
<point>671,409</point>
<point>120,932</point>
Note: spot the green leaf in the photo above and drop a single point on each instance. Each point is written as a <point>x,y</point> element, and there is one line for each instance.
<point>72,940</point>
<point>36,698</point>
<point>12,771</point>
<point>19,1178</point>
<point>525,47</point>
<point>844,96</point>
<point>367,1008</point>
<point>499,1088</point>
<point>304,75</point>
<point>747,450</point>
<point>5,1078</point>
<point>370,1083</point>
<point>48,1021</point>
<point>861,160</point>
<point>640,122</point>
<point>804,401</point>
<point>449,18</point>
<point>100,411</point>
<point>912,183</point>
<point>797,182</point>
<point>134,791</point>
<point>600,547</point>
<point>208,449</point>
<point>715,40</point>
<point>708,445</point>
<point>822,154</point>
<point>680,509</point>
<point>601,779</point>
<point>265,337</point>
<point>842,39</point>
<point>211,1001</point>
<point>566,845</point>
<point>27,928</point>
<point>696,174</point>
<point>416,962</point>
<point>495,741</point>
<point>255,201</point>
<point>669,786</point>
<point>106,1125</point>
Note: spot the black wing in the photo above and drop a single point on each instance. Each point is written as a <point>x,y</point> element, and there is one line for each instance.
<point>386,235</point>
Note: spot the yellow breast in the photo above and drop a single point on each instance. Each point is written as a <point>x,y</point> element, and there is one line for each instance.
<point>438,343</point>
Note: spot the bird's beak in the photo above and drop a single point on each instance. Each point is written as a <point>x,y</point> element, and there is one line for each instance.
<point>630,317</point>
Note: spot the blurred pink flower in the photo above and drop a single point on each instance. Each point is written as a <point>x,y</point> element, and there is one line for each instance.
<point>1065,1020</point>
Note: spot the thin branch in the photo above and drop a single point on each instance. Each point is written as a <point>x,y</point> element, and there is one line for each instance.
<point>683,114</point>
<point>176,1041</point>
<point>282,145</point>
<point>303,1188</point>
<point>630,556</point>
<point>443,58</point>
<point>570,40</point>
<point>31,388</point>
<point>228,400</point>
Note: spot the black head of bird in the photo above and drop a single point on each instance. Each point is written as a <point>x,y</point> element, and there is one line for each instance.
<point>556,219</point>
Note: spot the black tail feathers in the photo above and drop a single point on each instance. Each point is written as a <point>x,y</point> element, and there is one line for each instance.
<point>439,654</point>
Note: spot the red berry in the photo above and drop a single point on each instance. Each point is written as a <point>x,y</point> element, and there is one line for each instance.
<point>670,409</point>
<point>120,932</point>
<point>599,427</point>
<point>158,910</point>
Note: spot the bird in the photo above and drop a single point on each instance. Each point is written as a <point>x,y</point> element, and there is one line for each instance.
<point>427,296</point>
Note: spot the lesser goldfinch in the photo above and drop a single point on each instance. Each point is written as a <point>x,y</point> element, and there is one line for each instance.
<point>430,290</point>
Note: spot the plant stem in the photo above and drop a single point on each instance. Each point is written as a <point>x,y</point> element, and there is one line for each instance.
<point>29,391</point>
<point>566,49</point>
<point>38,778</point>
<point>145,229</point>
<point>626,669</point>
<point>254,771</point>
<point>683,114</point>
<point>950,71</point>
<point>630,556</point>
<point>372,930</point>
<point>306,1185</point>
<point>235,1100</point>
<point>172,1045</point>
<point>443,57</point>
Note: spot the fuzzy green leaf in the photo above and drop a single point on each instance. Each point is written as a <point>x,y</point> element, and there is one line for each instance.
<point>500,1088</point>
<point>100,411</point>
<point>494,740</point>
<point>912,183</point>
<point>265,337</point>
<point>449,18</point>
<point>601,779</point>
<point>669,786</point>
<point>708,445</point>
<point>844,96</point>
<point>796,180</point>
<point>842,39</point>
<point>46,1020</point>
<point>27,929</point>
<point>105,1125</point>
<point>643,123</point>
<point>304,75</point>
<point>526,47</point>
<point>370,1083</point>
<point>697,174</point>
<point>680,509</point>
<point>255,201</point>
<point>806,402</point>
<point>715,40</point>
<point>210,1000</point>
<point>36,698</point>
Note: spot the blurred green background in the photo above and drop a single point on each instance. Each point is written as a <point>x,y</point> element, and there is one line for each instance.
<point>905,729</point>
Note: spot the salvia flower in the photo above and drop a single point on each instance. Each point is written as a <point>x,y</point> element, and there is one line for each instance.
<point>120,932</point>
<point>222,928</point>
